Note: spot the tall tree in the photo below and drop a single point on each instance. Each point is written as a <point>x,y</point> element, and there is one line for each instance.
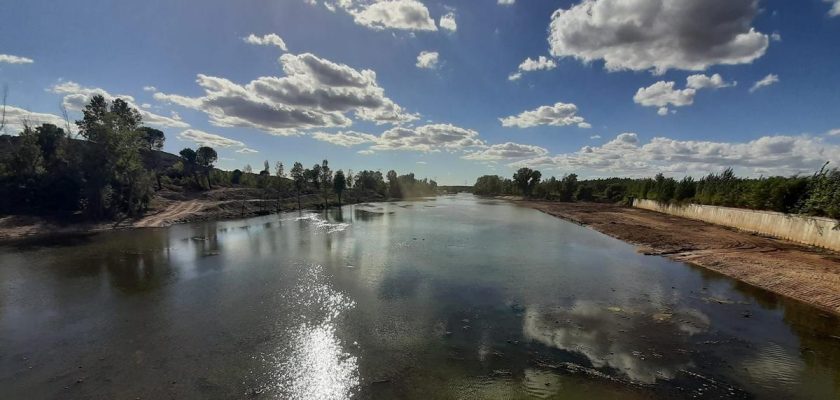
<point>278,170</point>
<point>339,184</point>
<point>393,185</point>
<point>527,179</point>
<point>326,181</point>
<point>205,157</point>
<point>115,179</point>
<point>299,178</point>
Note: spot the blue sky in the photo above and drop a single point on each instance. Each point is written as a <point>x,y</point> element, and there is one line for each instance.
<point>606,91</point>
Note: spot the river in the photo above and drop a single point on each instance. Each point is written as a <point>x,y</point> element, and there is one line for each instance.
<point>451,297</point>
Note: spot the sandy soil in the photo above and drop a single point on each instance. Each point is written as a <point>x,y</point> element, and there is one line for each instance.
<point>806,274</point>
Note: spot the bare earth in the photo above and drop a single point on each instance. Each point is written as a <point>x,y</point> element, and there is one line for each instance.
<point>803,273</point>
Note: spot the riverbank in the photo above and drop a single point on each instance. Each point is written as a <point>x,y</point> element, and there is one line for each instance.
<point>806,274</point>
<point>169,208</point>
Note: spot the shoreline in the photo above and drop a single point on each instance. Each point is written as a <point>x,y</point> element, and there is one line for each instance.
<point>806,274</point>
<point>167,212</point>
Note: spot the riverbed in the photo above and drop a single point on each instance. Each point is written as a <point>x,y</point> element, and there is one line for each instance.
<point>451,297</point>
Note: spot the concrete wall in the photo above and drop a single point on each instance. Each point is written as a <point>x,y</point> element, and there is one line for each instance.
<point>814,231</point>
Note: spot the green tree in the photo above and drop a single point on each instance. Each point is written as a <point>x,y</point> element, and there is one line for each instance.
<point>299,178</point>
<point>339,184</point>
<point>115,179</point>
<point>326,180</point>
<point>394,190</point>
<point>527,179</point>
<point>205,157</point>
<point>153,139</point>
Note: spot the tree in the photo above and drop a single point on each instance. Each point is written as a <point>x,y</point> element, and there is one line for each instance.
<point>527,179</point>
<point>299,178</point>
<point>152,138</point>
<point>393,185</point>
<point>205,157</point>
<point>236,176</point>
<point>278,170</point>
<point>247,169</point>
<point>189,155</point>
<point>339,184</point>
<point>115,180</point>
<point>349,179</point>
<point>326,180</point>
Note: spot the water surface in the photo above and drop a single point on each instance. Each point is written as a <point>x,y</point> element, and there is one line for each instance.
<point>453,297</point>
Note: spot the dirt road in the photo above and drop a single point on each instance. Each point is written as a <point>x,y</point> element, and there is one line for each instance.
<point>806,274</point>
<point>174,212</point>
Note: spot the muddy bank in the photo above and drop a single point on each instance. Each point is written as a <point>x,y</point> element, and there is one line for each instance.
<point>806,274</point>
<point>169,208</point>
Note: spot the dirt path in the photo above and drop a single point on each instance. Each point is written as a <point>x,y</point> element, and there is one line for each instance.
<point>806,274</point>
<point>175,212</point>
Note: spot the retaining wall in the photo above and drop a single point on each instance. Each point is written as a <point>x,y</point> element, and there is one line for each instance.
<point>814,231</point>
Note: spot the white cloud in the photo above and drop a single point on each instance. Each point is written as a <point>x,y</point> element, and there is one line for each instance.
<point>315,93</point>
<point>627,156</point>
<point>768,80</point>
<point>541,63</point>
<point>701,81</point>
<point>208,139</point>
<point>345,138</point>
<point>560,114</point>
<point>595,137</point>
<point>447,22</point>
<point>17,117</point>
<point>149,89</point>
<point>77,96</point>
<point>246,150</point>
<point>506,151</point>
<point>428,138</point>
<point>366,152</point>
<point>506,2</point>
<point>10,59</point>
<point>835,7</point>
<point>389,14</point>
<point>271,39</point>
<point>663,94</point>
<point>658,34</point>
<point>427,59</point>
<point>776,37</point>
<point>833,132</point>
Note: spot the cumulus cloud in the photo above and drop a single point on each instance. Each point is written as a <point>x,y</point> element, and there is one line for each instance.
<point>246,150</point>
<point>409,15</point>
<point>345,138</point>
<point>208,139</point>
<point>314,93</point>
<point>271,39</point>
<point>701,81</point>
<point>541,63</point>
<point>506,151</point>
<point>506,2</point>
<point>149,89</point>
<point>428,138</point>
<point>626,155</point>
<point>448,23</point>
<point>560,114</point>
<point>835,7</point>
<point>10,59</point>
<point>658,35</point>
<point>16,118</point>
<point>768,80</point>
<point>664,94</point>
<point>833,132</point>
<point>427,59</point>
<point>77,96</point>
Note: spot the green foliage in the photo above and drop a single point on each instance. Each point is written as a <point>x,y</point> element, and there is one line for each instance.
<point>527,179</point>
<point>339,184</point>
<point>153,139</point>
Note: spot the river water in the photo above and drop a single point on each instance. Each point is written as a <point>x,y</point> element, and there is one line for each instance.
<point>452,297</point>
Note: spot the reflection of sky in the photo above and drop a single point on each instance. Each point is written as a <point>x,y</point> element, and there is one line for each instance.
<point>614,338</point>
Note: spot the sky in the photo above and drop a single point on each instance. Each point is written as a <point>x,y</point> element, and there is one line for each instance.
<point>449,90</point>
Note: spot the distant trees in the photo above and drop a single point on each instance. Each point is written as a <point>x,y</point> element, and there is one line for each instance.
<point>393,185</point>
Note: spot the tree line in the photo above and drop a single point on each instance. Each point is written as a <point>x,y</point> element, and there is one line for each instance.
<point>115,166</point>
<point>818,194</point>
